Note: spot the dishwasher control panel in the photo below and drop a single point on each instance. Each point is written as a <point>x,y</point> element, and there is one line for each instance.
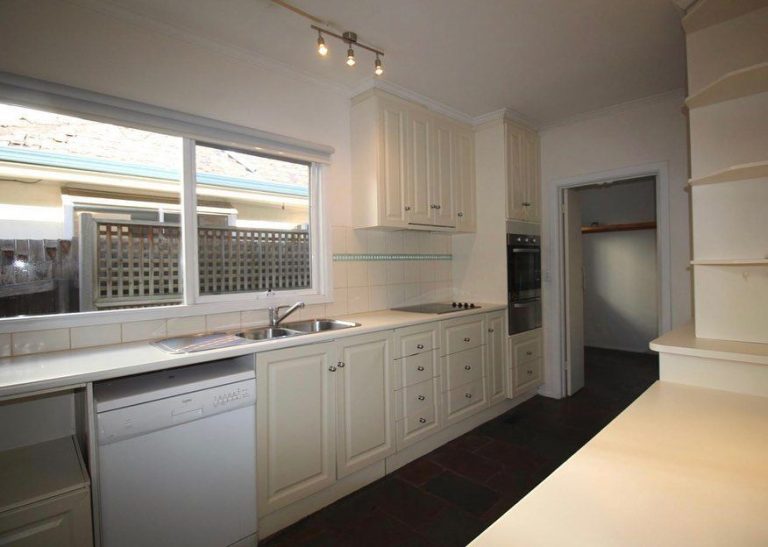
<point>238,392</point>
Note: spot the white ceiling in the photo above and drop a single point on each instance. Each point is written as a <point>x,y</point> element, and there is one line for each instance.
<point>546,59</point>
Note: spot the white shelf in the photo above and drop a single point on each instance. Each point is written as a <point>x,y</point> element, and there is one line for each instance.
<point>707,13</point>
<point>731,262</point>
<point>683,341</point>
<point>739,83</point>
<point>745,171</point>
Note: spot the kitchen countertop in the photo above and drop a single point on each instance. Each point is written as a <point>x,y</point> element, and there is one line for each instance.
<point>682,465</point>
<point>46,371</point>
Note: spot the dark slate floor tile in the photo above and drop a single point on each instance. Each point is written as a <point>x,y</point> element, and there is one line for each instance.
<point>407,503</point>
<point>451,528</point>
<point>381,530</point>
<point>418,472</point>
<point>467,495</point>
<point>465,463</point>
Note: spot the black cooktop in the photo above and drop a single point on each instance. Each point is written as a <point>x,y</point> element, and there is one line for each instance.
<point>439,307</point>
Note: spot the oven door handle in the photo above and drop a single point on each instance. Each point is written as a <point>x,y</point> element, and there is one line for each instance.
<point>527,303</point>
<point>521,250</point>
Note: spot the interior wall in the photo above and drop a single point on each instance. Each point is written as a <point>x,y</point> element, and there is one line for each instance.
<point>620,268</point>
<point>650,131</point>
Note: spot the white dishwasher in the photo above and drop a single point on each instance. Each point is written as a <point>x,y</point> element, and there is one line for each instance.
<point>177,457</point>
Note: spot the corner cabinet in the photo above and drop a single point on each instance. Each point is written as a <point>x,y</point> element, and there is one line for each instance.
<point>411,168</point>
<point>523,173</point>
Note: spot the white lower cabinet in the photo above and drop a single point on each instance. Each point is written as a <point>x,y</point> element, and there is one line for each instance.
<point>464,367</point>
<point>526,364</point>
<point>496,356</point>
<point>295,424</point>
<point>365,403</point>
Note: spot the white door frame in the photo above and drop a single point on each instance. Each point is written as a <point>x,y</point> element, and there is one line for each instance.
<point>555,299</point>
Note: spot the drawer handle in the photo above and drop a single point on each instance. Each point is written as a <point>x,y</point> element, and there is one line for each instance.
<point>529,353</point>
<point>491,331</point>
<point>422,420</point>
<point>407,207</point>
<point>468,395</point>
<point>419,346</point>
<point>467,339</point>
<point>467,367</point>
<point>530,371</point>
<point>420,368</point>
<point>340,364</point>
<point>332,368</point>
<point>460,214</point>
<point>421,397</point>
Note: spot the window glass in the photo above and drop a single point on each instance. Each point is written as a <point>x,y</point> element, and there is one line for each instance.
<point>89,215</point>
<point>253,222</point>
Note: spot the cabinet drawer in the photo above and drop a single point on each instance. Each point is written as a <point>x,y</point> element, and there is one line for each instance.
<point>527,375</point>
<point>413,400</point>
<point>417,427</point>
<point>530,350</point>
<point>413,340</point>
<point>463,367</point>
<point>414,369</point>
<point>465,397</point>
<point>463,335</point>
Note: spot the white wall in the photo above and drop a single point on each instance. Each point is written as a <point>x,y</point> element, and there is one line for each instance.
<point>620,276</point>
<point>650,131</point>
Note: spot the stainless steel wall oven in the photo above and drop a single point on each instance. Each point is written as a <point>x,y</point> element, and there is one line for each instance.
<point>524,282</point>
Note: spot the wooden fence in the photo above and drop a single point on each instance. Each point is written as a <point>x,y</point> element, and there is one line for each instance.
<point>132,264</point>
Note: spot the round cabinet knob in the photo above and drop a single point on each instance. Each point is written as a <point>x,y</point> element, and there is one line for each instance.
<point>526,204</point>
<point>419,346</point>
<point>332,368</point>
<point>407,207</point>
<point>438,206</point>
<point>422,420</point>
<point>529,353</point>
<point>530,371</point>
<point>468,395</point>
<point>461,214</point>
<point>467,367</point>
<point>420,368</point>
<point>467,339</point>
<point>421,397</point>
<point>490,330</point>
<point>340,364</point>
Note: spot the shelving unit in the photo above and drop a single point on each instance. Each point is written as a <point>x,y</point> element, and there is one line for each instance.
<point>707,13</point>
<point>736,84</point>
<point>745,171</point>
<point>629,227</point>
<point>733,262</point>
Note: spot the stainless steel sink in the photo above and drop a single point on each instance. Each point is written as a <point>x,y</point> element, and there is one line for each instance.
<point>268,333</point>
<point>319,325</point>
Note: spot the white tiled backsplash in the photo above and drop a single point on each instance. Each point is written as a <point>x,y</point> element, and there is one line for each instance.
<point>358,287</point>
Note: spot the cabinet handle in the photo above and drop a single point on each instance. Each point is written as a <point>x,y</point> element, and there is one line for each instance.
<point>467,339</point>
<point>468,395</point>
<point>341,364</point>
<point>421,397</point>
<point>529,353</point>
<point>467,367</point>
<point>490,330</point>
<point>526,204</point>
<point>530,371</point>
<point>419,346</point>
<point>407,207</point>
<point>420,368</point>
<point>438,206</point>
<point>332,368</point>
<point>461,214</point>
<point>422,420</point>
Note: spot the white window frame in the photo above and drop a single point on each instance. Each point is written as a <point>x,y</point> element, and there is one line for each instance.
<point>27,92</point>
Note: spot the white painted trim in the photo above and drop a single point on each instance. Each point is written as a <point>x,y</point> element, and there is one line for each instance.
<point>554,298</point>
<point>613,109</point>
<point>64,99</point>
<point>507,114</point>
<point>189,268</point>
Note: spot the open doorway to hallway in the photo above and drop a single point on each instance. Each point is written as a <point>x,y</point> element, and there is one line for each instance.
<point>611,271</point>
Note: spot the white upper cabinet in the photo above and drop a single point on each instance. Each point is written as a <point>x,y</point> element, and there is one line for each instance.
<point>523,173</point>
<point>411,168</point>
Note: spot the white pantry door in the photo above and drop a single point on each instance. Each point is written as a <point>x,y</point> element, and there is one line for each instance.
<point>574,292</point>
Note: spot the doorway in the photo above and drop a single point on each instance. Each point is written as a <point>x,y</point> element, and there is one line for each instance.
<point>611,271</point>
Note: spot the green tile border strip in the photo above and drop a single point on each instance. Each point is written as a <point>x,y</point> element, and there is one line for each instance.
<point>380,257</point>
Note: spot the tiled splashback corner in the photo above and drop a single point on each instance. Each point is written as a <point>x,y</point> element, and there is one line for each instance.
<point>372,270</point>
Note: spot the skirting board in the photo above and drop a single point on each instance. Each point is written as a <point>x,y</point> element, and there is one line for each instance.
<point>734,376</point>
<point>276,521</point>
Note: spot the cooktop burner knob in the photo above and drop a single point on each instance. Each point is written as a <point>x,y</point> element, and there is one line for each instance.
<point>472,305</point>
<point>454,304</point>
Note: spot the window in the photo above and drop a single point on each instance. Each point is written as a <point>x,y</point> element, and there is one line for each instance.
<point>91,219</point>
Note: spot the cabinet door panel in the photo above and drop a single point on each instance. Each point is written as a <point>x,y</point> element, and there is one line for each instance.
<point>534,181</point>
<point>516,173</point>
<point>365,406</point>
<point>394,176</point>
<point>445,177</point>
<point>296,425</point>
<point>464,182</point>
<point>419,194</point>
<point>496,355</point>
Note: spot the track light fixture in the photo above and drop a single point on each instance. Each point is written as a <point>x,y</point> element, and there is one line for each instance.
<point>349,38</point>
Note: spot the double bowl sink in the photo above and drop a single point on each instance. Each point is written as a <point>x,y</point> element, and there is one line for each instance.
<point>295,328</point>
